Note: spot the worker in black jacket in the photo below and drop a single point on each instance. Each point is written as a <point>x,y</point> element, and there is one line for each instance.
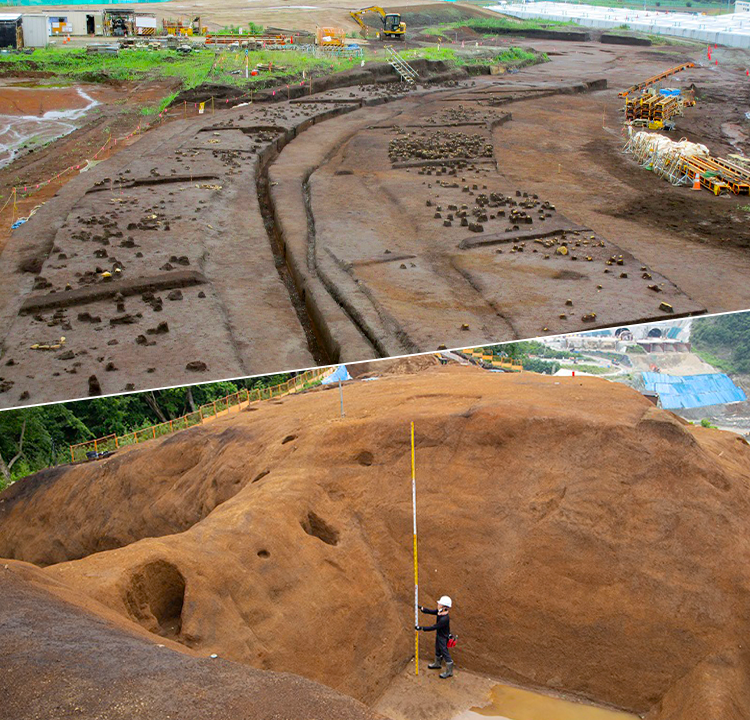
<point>442,629</point>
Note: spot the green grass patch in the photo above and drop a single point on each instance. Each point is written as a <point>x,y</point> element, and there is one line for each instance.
<point>516,55</point>
<point>221,67</point>
<point>509,56</point>
<point>77,64</point>
<point>502,22</point>
<point>591,369</point>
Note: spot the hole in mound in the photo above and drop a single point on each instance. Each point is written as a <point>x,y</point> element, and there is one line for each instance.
<point>155,596</point>
<point>264,554</point>
<point>251,409</point>
<point>319,528</point>
<point>260,476</point>
<point>365,458</point>
<point>288,438</point>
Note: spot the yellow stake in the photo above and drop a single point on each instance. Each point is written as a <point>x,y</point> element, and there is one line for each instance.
<point>416,577</point>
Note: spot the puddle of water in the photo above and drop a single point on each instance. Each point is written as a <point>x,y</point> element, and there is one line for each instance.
<point>18,127</point>
<point>510,703</point>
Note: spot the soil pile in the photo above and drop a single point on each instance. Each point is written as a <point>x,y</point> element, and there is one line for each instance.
<point>592,543</point>
<point>78,660</point>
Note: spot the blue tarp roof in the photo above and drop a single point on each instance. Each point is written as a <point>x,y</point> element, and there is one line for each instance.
<point>341,373</point>
<point>690,391</point>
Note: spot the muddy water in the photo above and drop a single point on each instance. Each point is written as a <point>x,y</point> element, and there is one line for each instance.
<point>34,115</point>
<point>510,703</point>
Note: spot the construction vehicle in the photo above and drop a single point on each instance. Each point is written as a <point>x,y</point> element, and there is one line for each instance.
<point>392,26</point>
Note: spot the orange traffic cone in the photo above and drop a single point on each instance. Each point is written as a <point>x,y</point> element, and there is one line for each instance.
<point>696,182</point>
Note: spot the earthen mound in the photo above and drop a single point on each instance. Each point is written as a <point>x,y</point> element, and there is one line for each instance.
<point>591,542</point>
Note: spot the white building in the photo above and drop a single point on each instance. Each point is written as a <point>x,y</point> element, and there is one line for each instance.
<point>731,30</point>
<point>35,31</point>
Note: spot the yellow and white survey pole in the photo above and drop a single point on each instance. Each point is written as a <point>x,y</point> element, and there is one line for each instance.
<point>416,576</point>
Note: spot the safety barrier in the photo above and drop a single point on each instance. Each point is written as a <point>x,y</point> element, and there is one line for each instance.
<point>204,413</point>
<point>502,363</point>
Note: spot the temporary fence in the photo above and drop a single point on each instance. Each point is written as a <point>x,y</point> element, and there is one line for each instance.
<point>204,413</point>
<point>184,109</point>
<point>29,188</point>
<point>503,363</point>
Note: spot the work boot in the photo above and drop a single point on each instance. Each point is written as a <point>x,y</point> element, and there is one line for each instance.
<point>436,664</point>
<point>448,671</point>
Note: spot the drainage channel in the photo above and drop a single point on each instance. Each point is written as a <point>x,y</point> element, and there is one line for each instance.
<point>315,345</point>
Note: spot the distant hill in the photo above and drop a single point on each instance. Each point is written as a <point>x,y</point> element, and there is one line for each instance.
<point>724,342</point>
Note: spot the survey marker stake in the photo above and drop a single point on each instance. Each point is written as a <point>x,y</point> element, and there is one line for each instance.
<point>416,577</point>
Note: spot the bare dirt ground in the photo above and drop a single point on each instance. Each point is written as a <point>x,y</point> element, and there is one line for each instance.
<point>231,253</point>
<point>117,114</point>
<point>281,538</point>
<point>101,665</point>
<point>577,159</point>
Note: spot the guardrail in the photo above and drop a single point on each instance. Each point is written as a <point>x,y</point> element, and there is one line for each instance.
<point>204,413</point>
<point>503,363</point>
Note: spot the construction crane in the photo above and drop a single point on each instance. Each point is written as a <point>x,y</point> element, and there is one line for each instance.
<point>392,25</point>
<point>656,79</point>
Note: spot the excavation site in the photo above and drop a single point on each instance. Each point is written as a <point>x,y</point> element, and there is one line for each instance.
<point>368,217</point>
<point>593,544</point>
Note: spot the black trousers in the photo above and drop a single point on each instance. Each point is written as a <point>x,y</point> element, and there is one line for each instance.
<point>441,648</point>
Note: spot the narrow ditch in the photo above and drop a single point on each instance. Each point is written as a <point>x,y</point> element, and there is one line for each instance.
<point>332,290</point>
<point>315,345</point>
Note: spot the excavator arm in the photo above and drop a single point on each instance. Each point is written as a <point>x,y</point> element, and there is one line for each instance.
<point>357,15</point>
<point>393,31</point>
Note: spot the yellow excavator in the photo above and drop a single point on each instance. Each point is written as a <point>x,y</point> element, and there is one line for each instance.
<point>392,25</point>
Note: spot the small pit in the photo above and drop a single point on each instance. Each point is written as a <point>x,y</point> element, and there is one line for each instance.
<point>319,528</point>
<point>365,458</point>
<point>155,596</point>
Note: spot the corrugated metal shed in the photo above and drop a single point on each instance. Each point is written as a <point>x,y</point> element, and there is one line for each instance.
<point>690,391</point>
<point>34,30</point>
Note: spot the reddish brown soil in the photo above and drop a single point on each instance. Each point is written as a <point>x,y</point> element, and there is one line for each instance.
<point>573,151</point>
<point>592,543</point>
<point>66,656</point>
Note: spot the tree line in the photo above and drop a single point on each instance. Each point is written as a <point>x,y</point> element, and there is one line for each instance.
<point>35,438</point>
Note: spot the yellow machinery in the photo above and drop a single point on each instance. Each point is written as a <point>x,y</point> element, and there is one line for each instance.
<point>392,25</point>
<point>183,27</point>
<point>330,37</point>
<point>656,79</point>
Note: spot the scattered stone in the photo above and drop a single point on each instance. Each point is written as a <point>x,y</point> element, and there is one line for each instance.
<point>126,319</point>
<point>94,387</point>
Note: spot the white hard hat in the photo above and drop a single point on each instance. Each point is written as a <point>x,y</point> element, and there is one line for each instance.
<point>445,601</point>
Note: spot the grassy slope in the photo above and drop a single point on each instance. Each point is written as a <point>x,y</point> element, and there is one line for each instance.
<point>225,68</point>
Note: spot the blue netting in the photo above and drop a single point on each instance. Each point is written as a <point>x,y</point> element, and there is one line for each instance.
<point>690,391</point>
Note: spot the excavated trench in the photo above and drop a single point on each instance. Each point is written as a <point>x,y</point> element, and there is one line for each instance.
<point>319,351</point>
